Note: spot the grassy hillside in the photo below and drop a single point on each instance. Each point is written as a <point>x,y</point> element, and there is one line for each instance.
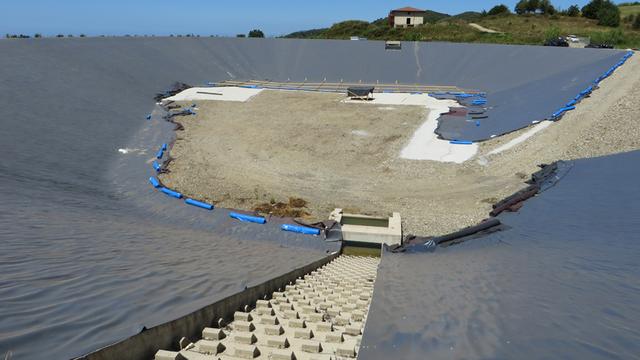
<point>515,29</point>
<point>631,9</point>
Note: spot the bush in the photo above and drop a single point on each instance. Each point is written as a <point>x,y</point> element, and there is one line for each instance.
<point>636,23</point>
<point>545,7</point>
<point>609,15</point>
<point>590,11</point>
<point>239,35</point>
<point>499,10</point>
<point>521,7</point>
<point>256,33</point>
<point>611,37</point>
<point>533,6</point>
<point>606,12</point>
<point>60,36</point>
<point>37,35</point>
<point>552,33</point>
<point>573,11</point>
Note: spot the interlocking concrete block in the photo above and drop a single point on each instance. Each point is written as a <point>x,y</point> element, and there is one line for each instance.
<point>349,307</point>
<point>265,311</point>
<point>243,326</point>
<point>290,314</point>
<point>308,309</point>
<point>246,351</point>
<point>297,324</point>
<point>352,329</point>
<point>282,354</point>
<point>262,304</point>
<point>168,355</point>
<point>334,337</point>
<point>278,342</point>
<point>322,327</point>
<point>311,346</point>
<point>315,317</point>
<point>346,351</point>
<point>269,320</point>
<point>246,338</point>
<point>213,334</point>
<point>303,334</point>
<point>273,330</point>
<point>357,315</point>
<point>341,320</point>
<point>210,347</point>
<point>242,316</point>
<point>285,307</point>
<point>334,311</point>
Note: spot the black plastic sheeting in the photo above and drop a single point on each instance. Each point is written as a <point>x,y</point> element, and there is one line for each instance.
<point>562,282</point>
<point>522,83</point>
<point>90,253</point>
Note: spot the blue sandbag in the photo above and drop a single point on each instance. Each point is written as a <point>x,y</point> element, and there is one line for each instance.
<point>171,193</point>
<point>248,218</point>
<point>561,111</point>
<point>157,166</point>
<point>461,142</point>
<point>300,229</point>
<point>164,147</point>
<point>571,103</point>
<point>154,182</point>
<point>587,90</point>
<point>199,204</point>
<point>160,154</point>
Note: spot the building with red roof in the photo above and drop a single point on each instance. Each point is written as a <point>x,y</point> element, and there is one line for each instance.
<point>406,17</point>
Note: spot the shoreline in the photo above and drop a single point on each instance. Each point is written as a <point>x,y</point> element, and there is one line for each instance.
<point>448,196</point>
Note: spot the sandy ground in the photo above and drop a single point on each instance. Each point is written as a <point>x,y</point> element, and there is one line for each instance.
<point>309,145</point>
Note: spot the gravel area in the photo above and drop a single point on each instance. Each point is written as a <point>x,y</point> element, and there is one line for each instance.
<point>307,145</point>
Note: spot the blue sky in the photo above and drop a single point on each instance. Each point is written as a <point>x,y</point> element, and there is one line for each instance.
<point>208,17</point>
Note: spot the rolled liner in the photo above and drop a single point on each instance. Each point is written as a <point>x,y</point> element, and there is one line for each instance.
<point>300,229</point>
<point>171,193</point>
<point>157,166</point>
<point>248,218</point>
<point>154,182</point>
<point>199,204</point>
<point>467,231</point>
<point>160,154</point>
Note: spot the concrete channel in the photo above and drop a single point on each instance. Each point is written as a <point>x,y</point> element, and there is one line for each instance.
<point>315,312</point>
<point>320,316</point>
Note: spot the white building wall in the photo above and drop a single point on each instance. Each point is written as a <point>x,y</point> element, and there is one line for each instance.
<point>400,20</point>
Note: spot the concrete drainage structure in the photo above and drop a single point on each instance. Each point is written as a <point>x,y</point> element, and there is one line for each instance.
<point>321,316</point>
<point>369,229</point>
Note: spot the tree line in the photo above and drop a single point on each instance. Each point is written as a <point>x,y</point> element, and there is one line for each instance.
<point>605,11</point>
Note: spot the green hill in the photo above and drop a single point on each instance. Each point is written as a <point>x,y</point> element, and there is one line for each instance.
<point>512,28</point>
